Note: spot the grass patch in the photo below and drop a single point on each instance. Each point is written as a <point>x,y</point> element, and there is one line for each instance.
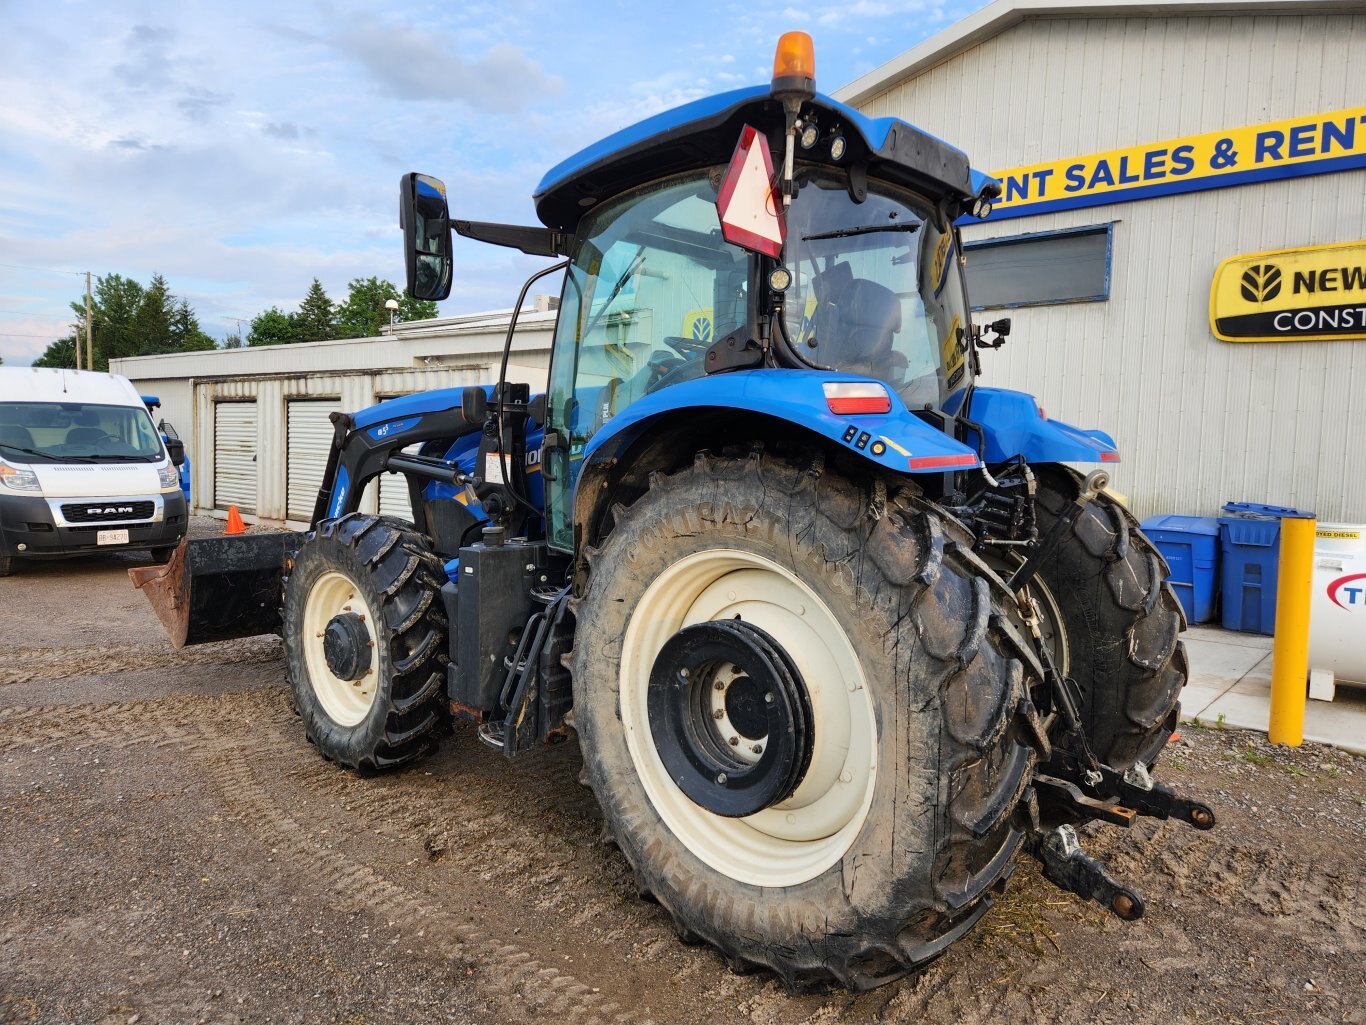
<point>1022,918</point>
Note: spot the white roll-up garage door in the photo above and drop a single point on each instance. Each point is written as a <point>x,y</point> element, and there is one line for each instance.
<point>393,493</point>
<point>234,455</point>
<point>308,437</point>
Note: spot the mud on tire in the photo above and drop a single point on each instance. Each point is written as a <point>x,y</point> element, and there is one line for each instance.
<point>394,579</point>
<point>946,678</point>
<point>1122,620</point>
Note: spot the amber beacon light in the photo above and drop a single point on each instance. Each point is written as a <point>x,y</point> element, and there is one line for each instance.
<point>794,65</point>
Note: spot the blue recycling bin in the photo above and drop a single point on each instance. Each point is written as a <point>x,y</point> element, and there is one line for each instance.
<point>1190,544</point>
<point>1250,543</point>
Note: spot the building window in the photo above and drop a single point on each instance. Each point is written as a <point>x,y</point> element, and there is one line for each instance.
<point>1040,269</point>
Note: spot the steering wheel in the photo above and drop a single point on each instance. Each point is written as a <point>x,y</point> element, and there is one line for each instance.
<point>689,348</point>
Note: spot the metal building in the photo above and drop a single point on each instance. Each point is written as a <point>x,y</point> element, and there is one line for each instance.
<point>1107,271</point>
<point>255,420</point>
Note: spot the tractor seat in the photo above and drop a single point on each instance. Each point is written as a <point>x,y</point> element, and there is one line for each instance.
<point>857,320</point>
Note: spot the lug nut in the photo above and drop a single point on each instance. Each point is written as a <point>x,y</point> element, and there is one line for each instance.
<point>720,713</point>
<point>721,778</point>
<point>758,749</point>
<point>768,698</point>
<point>684,673</point>
<point>720,685</point>
<point>734,741</point>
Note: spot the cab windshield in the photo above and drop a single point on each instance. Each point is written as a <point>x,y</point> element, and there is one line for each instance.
<point>53,432</point>
<point>876,288</point>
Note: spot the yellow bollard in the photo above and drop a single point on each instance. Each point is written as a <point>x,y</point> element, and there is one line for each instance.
<point>1290,653</point>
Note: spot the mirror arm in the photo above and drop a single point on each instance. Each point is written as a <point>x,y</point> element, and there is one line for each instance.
<point>532,241</point>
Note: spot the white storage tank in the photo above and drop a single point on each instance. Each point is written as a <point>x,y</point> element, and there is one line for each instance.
<point>1337,612</point>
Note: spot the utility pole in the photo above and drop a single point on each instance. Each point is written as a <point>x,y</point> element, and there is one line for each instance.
<point>89,343</point>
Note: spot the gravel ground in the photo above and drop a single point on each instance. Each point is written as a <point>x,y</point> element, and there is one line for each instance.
<point>173,850</point>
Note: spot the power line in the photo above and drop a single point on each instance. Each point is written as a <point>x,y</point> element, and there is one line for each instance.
<point>11,334</point>
<point>42,270</point>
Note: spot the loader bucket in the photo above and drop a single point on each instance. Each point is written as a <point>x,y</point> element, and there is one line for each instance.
<point>218,588</point>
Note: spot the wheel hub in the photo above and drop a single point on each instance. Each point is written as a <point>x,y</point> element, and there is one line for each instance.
<point>346,646</point>
<point>730,717</point>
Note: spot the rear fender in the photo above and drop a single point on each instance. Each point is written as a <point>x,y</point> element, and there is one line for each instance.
<point>1012,424</point>
<point>897,441</point>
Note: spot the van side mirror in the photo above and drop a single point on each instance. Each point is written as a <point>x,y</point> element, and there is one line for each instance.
<point>175,448</point>
<point>426,222</point>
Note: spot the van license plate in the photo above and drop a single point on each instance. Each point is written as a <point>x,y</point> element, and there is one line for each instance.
<point>111,537</point>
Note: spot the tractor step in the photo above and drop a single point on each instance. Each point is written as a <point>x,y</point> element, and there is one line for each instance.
<point>1070,868</point>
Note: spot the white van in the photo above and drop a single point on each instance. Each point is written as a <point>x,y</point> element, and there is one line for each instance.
<point>83,468</point>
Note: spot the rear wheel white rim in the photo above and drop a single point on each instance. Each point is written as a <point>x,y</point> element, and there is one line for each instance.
<point>801,837</point>
<point>346,702</point>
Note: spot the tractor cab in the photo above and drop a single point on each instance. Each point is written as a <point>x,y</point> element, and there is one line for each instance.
<point>761,234</point>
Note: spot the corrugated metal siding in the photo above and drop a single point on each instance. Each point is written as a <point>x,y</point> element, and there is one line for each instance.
<point>1199,421</point>
<point>308,440</point>
<point>234,479</point>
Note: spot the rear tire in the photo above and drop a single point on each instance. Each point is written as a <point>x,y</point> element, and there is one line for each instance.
<point>1122,622</point>
<point>882,606</point>
<point>377,699</point>
<point>8,564</point>
<point>161,556</point>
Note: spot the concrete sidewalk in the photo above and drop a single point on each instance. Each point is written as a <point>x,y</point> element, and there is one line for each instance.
<point>1231,677</point>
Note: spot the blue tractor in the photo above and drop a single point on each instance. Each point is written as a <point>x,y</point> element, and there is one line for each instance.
<point>838,631</point>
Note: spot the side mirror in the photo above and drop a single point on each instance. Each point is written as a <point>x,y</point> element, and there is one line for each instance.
<point>175,448</point>
<point>426,221</point>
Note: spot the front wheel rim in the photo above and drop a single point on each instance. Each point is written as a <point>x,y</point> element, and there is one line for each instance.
<point>346,702</point>
<point>798,838</point>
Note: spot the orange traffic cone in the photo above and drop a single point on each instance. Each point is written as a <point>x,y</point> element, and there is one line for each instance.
<point>235,524</point>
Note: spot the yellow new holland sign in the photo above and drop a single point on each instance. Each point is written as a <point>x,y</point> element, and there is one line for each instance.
<point>1317,293</point>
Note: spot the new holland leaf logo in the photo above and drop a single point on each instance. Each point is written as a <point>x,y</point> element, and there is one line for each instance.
<point>1261,283</point>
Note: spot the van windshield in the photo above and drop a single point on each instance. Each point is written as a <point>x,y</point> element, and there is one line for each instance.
<point>55,432</point>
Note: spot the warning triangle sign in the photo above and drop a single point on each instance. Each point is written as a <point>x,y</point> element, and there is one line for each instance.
<point>749,206</point>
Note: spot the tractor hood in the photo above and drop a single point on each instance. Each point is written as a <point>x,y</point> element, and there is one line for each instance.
<point>704,133</point>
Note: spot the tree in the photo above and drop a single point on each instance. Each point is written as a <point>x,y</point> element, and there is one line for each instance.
<point>129,320</point>
<point>316,319</point>
<point>272,327</point>
<point>186,335</point>
<point>363,313</point>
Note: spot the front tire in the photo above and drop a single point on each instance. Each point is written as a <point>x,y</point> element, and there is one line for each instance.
<point>905,816</point>
<point>365,641</point>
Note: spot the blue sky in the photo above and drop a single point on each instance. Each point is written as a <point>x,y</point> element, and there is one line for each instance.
<point>243,149</point>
